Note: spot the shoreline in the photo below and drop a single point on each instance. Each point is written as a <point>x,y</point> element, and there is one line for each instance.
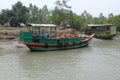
<point>9,37</point>
<point>12,33</point>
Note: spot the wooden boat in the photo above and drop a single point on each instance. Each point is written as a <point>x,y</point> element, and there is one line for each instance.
<point>102,31</point>
<point>43,37</point>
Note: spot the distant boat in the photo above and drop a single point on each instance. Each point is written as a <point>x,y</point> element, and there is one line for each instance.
<point>102,31</point>
<point>45,37</point>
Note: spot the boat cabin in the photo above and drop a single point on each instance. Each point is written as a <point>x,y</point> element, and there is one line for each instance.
<point>42,30</point>
<point>38,31</point>
<point>101,28</point>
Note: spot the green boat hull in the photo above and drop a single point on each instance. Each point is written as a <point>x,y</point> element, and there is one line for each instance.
<point>101,31</point>
<point>46,37</point>
<point>35,47</point>
<point>104,36</point>
<point>38,44</point>
<point>58,48</point>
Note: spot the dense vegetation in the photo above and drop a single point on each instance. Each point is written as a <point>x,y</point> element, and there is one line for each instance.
<point>61,14</point>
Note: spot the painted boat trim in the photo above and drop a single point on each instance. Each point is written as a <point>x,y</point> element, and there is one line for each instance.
<point>43,47</point>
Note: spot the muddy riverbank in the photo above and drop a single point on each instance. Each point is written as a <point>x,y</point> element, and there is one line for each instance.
<point>12,33</point>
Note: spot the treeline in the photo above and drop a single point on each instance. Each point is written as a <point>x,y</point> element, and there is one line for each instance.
<point>32,14</point>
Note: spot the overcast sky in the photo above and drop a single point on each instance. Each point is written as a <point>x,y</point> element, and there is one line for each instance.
<point>94,7</point>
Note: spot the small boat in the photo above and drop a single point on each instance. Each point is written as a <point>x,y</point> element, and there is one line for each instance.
<point>47,37</point>
<point>101,31</point>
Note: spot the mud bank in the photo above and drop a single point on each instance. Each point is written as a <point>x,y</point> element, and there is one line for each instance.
<point>10,33</point>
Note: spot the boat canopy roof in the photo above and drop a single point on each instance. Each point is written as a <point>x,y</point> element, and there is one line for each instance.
<point>94,25</point>
<point>108,25</point>
<point>100,25</point>
<point>42,25</point>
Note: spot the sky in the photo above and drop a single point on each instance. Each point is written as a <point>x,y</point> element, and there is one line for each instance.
<point>94,7</point>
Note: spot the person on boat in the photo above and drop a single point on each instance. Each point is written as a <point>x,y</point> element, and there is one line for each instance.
<point>48,36</point>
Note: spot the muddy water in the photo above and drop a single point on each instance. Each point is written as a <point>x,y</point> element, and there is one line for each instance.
<point>99,61</point>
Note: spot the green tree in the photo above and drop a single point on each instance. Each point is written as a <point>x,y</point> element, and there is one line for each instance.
<point>117,22</point>
<point>20,14</point>
<point>95,20</point>
<point>76,23</point>
<point>4,16</point>
<point>111,18</point>
<point>37,15</point>
<point>55,18</point>
<point>34,14</point>
<point>102,19</point>
<point>60,15</point>
<point>45,14</point>
<point>88,17</point>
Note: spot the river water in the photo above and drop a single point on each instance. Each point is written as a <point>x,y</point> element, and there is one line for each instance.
<point>99,61</point>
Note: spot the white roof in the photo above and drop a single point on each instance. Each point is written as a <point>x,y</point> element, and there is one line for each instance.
<point>94,25</point>
<point>44,25</point>
<point>97,25</point>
